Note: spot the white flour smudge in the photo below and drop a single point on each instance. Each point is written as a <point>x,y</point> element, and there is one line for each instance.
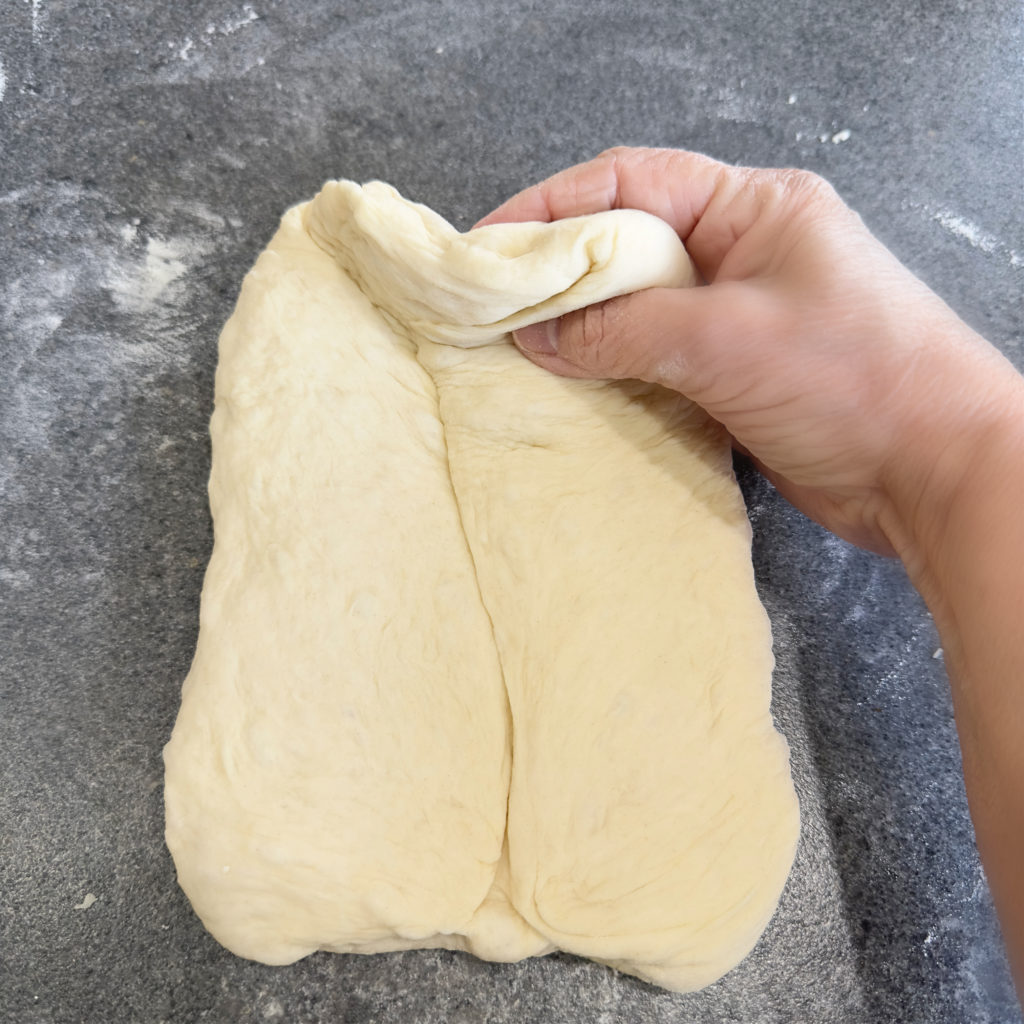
<point>975,236</point>
<point>196,211</point>
<point>88,900</point>
<point>963,228</point>
<point>228,27</point>
<point>15,578</point>
<point>137,287</point>
<point>232,25</point>
<point>142,272</point>
<point>3,82</point>
<point>733,105</point>
<point>100,305</point>
<point>968,231</point>
<point>62,192</point>
<point>37,10</point>
<point>38,301</point>
<point>233,160</point>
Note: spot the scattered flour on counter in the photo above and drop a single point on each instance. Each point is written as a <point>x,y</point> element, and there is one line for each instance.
<point>273,1010</point>
<point>137,286</point>
<point>198,212</point>
<point>15,578</point>
<point>233,160</point>
<point>737,106</point>
<point>965,229</point>
<point>836,137</point>
<point>37,12</point>
<point>725,99</point>
<point>972,234</point>
<point>87,902</point>
<point>98,298</point>
<point>232,25</point>
<point>132,270</point>
<point>228,27</point>
<point>38,300</point>
<point>200,56</point>
<point>3,82</point>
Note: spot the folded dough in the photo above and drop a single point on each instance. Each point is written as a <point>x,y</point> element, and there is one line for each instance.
<point>481,664</point>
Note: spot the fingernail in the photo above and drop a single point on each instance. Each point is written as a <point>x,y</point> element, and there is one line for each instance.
<point>538,339</point>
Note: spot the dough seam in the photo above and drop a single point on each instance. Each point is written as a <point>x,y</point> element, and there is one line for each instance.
<point>510,720</point>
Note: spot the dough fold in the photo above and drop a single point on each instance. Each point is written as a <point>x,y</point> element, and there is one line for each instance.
<point>469,290</point>
<point>481,662</point>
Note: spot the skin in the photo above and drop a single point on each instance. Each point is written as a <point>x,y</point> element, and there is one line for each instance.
<point>863,398</point>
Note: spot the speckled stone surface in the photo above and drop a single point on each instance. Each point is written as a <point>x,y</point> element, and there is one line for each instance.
<point>146,152</point>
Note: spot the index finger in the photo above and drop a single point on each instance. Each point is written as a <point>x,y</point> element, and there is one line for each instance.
<point>622,179</point>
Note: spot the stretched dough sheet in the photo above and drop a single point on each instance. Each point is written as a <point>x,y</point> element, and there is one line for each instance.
<point>481,663</point>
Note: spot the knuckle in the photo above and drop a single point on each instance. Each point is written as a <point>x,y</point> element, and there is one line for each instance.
<point>806,185</point>
<point>614,153</point>
<point>592,339</point>
<point>787,188</point>
<point>593,323</point>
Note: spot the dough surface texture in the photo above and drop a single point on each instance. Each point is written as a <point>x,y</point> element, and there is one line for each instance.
<point>481,664</point>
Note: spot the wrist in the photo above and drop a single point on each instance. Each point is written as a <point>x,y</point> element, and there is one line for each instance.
<point>960,467</point>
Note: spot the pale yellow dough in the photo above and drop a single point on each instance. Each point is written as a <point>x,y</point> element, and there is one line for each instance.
<point>481,663</point>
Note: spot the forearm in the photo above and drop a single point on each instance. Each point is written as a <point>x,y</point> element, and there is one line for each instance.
<point>963,545</point>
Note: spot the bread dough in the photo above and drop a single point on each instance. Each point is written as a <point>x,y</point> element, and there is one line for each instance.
<point>481,664</point>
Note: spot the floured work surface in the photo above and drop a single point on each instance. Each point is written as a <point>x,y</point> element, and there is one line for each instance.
<point>481,664</point>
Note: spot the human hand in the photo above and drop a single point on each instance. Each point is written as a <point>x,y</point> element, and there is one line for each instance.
<point>861,396</point>
<point>855,389</point>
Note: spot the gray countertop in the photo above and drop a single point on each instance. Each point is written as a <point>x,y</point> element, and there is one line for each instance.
<point>146,152</point>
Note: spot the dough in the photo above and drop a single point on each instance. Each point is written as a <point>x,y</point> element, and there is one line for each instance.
<point>481,664</point>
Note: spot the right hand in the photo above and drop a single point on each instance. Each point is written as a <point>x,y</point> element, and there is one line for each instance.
<point>856,390</point>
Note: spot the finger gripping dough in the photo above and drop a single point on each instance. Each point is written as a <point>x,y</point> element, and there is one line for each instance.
<point>481,664</point>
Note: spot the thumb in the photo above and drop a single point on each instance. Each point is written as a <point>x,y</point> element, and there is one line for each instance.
<point>681,338</point>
